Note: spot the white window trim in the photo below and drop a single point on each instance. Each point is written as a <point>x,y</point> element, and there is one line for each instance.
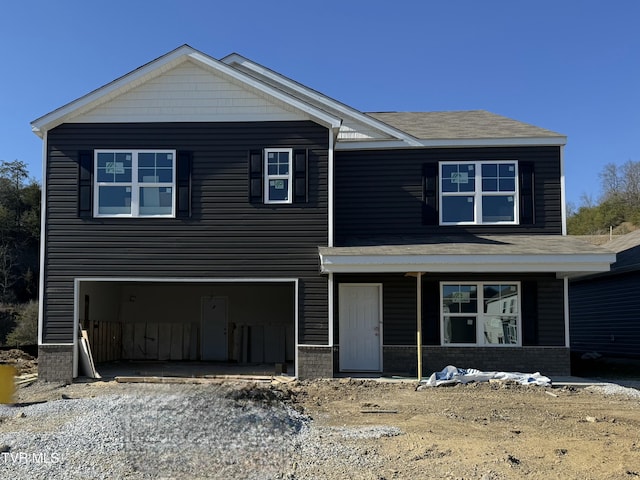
<point>480,314</point>
<point>134,184</point>
<point>268,177</point>
<point>478,193</point>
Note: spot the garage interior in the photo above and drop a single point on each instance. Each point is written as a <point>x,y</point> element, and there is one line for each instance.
<point>230,323</point>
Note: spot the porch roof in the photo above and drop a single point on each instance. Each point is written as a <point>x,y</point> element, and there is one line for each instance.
<point>563,255</point>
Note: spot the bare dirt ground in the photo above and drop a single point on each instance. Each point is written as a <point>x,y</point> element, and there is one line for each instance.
<point>481,431</point>
<point>388,430</point>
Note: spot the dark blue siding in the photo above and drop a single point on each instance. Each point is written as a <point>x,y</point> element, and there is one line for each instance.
<point>226,236</point>
<point>605,315</point>
<point>542,326</point>
<point>379,194</point>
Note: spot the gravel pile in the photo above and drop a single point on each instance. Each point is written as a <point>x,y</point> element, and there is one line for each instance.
<point>341,450</point>
<point>614,389</point>
<point>161,431</point>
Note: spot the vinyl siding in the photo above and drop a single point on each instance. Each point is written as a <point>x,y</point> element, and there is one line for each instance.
<point>605,315</point>
<point>399,306</point>
<point>190,93</point>
<point>379,193</point>
<point>226,236</point>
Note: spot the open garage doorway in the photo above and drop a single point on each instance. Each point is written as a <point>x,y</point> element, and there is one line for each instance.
<point>229,323</point>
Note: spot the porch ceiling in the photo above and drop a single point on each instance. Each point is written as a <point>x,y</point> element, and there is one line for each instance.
<point>563,255</point>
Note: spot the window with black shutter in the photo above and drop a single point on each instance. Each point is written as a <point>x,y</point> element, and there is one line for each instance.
<point>134,183</point>
<point>278,176</point>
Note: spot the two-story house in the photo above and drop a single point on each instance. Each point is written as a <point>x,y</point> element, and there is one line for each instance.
<point>203,209</point>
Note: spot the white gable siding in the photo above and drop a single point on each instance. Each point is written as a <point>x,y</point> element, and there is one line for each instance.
<point>352,130</point>
<point>189,93</point>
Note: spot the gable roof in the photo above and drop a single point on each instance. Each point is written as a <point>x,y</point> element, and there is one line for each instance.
<point>429,128</point>
<point>161,65</point>
<point>355,129</point>
<point>351,116</point>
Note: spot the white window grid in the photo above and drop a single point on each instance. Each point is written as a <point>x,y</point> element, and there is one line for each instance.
<point>135,185</point>
<point>288,177</point>
<point>480,315</point>
<point>478,193</point>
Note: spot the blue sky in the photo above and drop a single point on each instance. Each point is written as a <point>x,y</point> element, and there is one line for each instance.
<point>571,66</point>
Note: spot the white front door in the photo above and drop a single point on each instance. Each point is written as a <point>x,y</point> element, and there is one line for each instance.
<point>360,322</point>
<point>213,334</point>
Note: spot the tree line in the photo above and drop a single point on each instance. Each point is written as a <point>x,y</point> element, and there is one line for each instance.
<point>618,206</point>
<point>19,253</point>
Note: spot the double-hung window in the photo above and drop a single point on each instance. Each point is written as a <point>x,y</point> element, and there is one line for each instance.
<point>277,180</point>
<point>480,313</point>
<point>134,183</point>
<point>478,193</point>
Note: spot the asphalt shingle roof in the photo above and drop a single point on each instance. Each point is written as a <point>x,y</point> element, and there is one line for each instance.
<point>477,245</point>
<point>471,124</point>
<point>627,250</point>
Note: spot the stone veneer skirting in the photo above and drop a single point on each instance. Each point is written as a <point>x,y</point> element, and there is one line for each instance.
<point>315,362</point>
<point>546,360</point>
<point>55,363</point>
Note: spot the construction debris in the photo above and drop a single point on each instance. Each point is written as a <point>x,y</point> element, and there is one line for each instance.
<point>22,361</point>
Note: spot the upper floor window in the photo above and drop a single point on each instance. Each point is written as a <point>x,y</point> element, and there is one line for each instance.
<point>134,183</point>
<point>478,193</point>
<point>277,180</point>
<point>480,313</point>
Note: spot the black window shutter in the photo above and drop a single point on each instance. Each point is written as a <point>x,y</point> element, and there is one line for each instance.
<point>430,187</point>
<point>527,194</point>
<point>183,184</point>
<point>430,312</point>
<point>85,183</point>
<point>255,176</point>
<point>300,176</point>
<point>529,302</point>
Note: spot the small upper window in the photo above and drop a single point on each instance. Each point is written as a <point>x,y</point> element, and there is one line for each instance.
<point>478,193</point>
<point>277,179</point>
<point>134,183</point>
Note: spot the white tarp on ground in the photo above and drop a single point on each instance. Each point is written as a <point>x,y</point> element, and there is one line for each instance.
<point>450,375</point>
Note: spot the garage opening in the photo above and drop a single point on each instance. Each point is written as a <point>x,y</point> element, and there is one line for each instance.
<point>233,323</point>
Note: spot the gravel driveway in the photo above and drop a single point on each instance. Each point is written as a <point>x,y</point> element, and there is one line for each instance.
<point>156,431</point>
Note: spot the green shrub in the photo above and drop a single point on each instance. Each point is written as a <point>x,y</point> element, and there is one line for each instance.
<point>26,330</point>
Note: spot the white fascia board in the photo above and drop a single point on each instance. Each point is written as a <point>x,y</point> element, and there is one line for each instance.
<point>158,66</point>
<point>329,120</point>
<point>112,89</point>
<point>466,263</point>
<point>322,100</point>
<point>43,238</point>
<point>453,143</point>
